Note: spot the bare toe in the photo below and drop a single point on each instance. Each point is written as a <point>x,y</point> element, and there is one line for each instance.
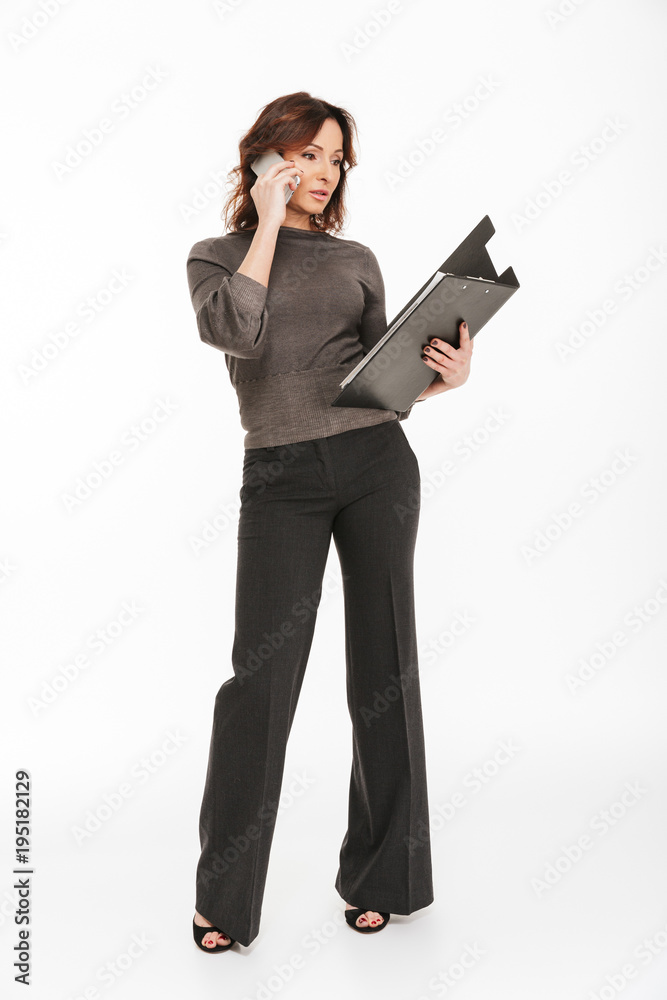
<point>213,938</point>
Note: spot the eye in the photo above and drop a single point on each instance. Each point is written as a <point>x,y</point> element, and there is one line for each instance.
<point>336,162</point>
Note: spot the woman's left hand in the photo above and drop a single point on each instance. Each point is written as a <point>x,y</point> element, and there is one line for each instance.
<point>451,363</point>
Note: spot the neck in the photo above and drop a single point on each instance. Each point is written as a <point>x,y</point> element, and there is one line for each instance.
<point>307,229</point>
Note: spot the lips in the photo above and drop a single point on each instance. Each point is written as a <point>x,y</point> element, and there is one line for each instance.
<point>320,193</point>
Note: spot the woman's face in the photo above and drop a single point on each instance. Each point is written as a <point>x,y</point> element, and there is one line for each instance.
<point>320,165</point>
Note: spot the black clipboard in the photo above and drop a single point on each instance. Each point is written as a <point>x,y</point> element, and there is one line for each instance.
<point>466,286</point>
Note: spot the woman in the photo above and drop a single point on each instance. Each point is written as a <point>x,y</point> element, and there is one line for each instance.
<point>294,308</point>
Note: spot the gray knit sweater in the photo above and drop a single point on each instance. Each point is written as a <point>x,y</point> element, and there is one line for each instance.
<point>289,346</point>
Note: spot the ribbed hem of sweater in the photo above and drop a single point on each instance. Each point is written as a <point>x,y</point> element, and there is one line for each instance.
<point>296,406</point>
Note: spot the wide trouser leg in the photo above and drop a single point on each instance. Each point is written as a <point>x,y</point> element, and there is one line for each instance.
<point>283,542</point>
<point>385,858</point>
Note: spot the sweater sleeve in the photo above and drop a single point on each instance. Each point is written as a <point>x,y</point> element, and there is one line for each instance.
<point>374,319</point>
<point>230,306</point>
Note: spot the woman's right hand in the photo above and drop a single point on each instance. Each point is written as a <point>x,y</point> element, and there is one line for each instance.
<point>268,192</point>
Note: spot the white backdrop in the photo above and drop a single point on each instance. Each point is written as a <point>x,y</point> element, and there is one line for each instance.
<point>541,567</point>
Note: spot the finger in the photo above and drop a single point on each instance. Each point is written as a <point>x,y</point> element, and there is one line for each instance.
<point>290,165</point>
<point>441,366</point>
<point>440,348</point>
<point>464,338</point>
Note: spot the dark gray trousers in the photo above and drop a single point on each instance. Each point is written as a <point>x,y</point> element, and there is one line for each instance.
<point>363,487</point>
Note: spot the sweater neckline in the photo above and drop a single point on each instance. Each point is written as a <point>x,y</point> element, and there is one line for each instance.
<point>288,229</point>
<point>298,229</point>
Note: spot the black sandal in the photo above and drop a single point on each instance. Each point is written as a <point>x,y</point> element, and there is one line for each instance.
<point>199,933</point>
<point>353,915</point>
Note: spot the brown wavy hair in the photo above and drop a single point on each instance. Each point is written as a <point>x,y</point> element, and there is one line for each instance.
<point>289,121</point>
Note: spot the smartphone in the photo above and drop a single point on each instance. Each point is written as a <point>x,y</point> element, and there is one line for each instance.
<point>262,164</point>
